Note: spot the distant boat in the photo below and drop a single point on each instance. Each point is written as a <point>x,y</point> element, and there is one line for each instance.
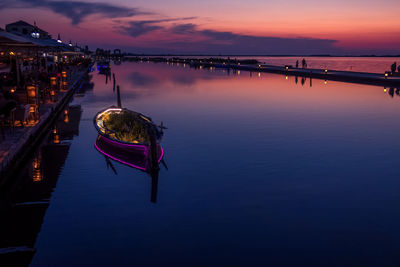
<point>103,67</point>
<point>124,126</point>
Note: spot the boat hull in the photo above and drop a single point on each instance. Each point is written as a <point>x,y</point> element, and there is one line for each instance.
<point>133,155</point>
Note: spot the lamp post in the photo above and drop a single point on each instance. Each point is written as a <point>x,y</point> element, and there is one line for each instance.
<point>12,54</point>
<point>386,75</point>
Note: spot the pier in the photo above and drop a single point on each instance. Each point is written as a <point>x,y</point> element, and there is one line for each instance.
<point>379,79</point>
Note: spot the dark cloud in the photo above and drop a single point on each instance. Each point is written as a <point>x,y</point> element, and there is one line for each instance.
<point>223,42</point>
<point>139,27</point>
<point>222,36</point>
<point>197,41</point>
<point>268,45</point>
<point>77,11</point>
<point>184,28</point>
<point>251,45</point>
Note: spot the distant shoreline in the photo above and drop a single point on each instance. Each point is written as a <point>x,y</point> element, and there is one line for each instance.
<point>204,55</point>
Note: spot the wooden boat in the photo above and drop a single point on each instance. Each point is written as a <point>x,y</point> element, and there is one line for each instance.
<point>132,139</point>
<point>126,127</point>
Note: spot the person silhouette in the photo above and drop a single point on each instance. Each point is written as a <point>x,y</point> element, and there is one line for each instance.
<point>297,63</point>
<point>393,67</point>
<point>304,63</point>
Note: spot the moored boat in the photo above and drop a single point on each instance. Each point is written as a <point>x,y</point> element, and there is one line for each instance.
<point>103,67</point>
<point>126,127</point>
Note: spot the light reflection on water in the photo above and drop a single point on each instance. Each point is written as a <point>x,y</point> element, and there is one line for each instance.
<point>261,170</point>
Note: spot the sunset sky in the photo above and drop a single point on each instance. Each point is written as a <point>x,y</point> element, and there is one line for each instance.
<point>252,27</point>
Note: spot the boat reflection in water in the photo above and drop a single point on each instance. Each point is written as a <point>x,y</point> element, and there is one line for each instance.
<point>134,155</point>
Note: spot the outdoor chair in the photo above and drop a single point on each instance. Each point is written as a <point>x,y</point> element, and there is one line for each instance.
<point>21,114</point>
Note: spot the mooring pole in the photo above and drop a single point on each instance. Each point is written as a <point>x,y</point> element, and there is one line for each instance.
<point>154,185</point>
<point>153,151</point>
<point>113,82</point>
<point>118,97</point>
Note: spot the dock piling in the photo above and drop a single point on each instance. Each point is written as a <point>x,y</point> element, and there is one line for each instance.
<point>154,185</point>
<point>118,97</point>
<point>113,82</point>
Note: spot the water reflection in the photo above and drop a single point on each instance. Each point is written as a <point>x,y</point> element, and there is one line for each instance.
<point>37,175</point>
<point>23,203</point>
<point>139,79</point>
<point>178,75</point>
<point>135,156</point>
<point>279,165</point>
<point>104,68</point>
<point>392,91</point>
<point>303,79</point>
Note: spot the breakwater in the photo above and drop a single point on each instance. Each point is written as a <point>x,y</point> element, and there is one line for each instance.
<point>380,79</point>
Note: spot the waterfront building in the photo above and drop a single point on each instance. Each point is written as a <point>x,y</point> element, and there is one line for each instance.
<point>25,29</point>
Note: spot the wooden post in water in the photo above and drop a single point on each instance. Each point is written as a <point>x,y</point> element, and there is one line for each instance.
<point>153,151</point>
<point>118,97</point>
<point>154,185</point>
<point>113,82</point>
<point>153,161</point>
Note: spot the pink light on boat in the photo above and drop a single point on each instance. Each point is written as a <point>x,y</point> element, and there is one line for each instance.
<point>133,155</point>
<point>116,159</point>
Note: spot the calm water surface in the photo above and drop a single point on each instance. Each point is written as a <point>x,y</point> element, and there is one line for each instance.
<point>262,170</point>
